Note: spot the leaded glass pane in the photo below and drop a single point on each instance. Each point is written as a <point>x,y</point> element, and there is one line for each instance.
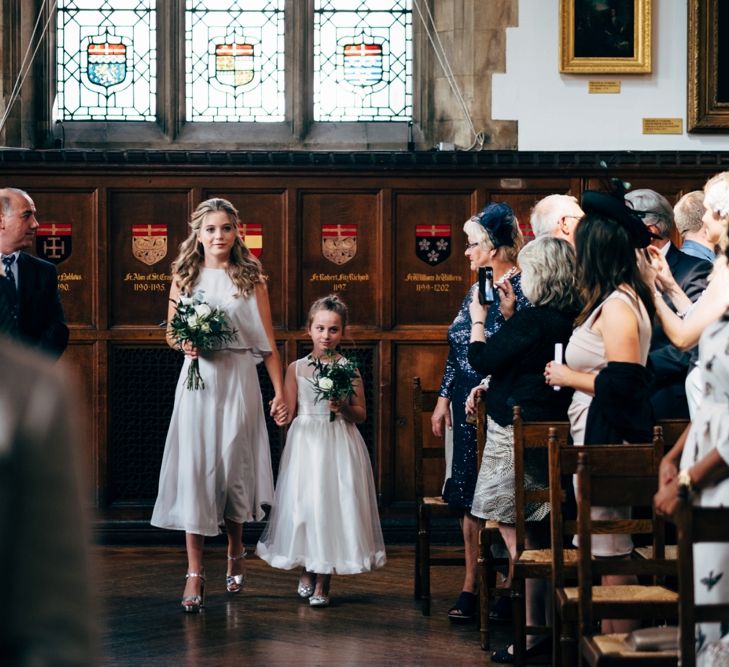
<point>362,60</point>
<point>234,61</point>
<point>107,60</point>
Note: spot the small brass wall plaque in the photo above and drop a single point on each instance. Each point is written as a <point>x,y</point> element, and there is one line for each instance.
<point>603,87</point>
<point>663,126</point>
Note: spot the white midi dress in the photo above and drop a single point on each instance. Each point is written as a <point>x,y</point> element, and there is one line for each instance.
<point>324,515</point>
<point>217,459</point>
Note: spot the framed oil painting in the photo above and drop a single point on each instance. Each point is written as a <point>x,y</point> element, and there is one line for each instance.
<point>605,36</point>
<point>708,66</point>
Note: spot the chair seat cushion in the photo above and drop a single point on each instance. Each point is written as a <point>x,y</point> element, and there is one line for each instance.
<point>614,644</point>
<point>647,552</point>
<point>545,556</point>
<point>629,594</point>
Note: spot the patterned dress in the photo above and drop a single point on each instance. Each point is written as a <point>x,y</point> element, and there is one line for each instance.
<point>458,380</point>
<point>710,430</point>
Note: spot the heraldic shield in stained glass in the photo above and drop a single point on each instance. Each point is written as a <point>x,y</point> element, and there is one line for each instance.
<point>234,64</point>
<point>106,63</point>
<point>106,60</point>
<point>433,243</point>
<point>362,64</point>
<point>362,60</point>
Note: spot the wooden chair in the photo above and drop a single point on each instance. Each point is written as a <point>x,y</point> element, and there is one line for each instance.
<point>610,476</point>
<point>428,507</point>
<point>672,430</point>
<point>530,563</point>
<point>488,537</point>
<point>697,525</point>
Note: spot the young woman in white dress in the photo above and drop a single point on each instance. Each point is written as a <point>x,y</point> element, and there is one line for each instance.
<point>324,515</point>
<point>216,467</point>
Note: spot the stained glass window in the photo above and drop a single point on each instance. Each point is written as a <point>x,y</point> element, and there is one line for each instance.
<point>234,55</point>
<point>107,57</point>
<point>362,60</point>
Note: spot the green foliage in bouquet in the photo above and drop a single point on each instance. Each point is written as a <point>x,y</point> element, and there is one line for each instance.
<point>333,379</point>
<point>196,322</point>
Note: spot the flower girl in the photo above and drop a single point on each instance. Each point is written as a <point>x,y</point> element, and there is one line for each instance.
<point>324,515</point>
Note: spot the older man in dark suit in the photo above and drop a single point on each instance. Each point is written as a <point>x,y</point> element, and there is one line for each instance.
<point>669,364</point>
<point>30,285</point>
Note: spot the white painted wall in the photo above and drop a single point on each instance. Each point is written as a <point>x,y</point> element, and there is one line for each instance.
<point>555,111</point>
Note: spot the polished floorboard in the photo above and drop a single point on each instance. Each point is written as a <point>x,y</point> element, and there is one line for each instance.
<point>373,619</point>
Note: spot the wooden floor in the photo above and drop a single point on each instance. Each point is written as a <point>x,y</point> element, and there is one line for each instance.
<point>373,619</point>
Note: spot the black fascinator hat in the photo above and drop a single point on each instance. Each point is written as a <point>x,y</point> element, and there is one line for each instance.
<point>498,221</point>
<point>612,205</point>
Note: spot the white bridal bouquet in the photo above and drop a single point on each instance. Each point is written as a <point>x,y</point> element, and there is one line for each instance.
<point>198,323</point>
<point>333,379</point>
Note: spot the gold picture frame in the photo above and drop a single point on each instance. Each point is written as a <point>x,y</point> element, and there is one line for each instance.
<point>708,76</point>
<point>601,37</point>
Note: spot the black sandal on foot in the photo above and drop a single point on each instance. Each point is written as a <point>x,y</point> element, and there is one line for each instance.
<point>540,653</point>
<point>464,611</point>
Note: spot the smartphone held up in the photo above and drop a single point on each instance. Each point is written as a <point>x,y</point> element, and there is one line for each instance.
<point>486,294</point>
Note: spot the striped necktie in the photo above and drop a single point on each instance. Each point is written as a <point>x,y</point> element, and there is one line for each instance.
<point>8,299</point>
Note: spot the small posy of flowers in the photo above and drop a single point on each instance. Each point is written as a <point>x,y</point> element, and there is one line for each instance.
<point>333,378</point>
<point>196,322</point>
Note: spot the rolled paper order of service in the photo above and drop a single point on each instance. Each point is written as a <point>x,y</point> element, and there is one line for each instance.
<point>558,352</point>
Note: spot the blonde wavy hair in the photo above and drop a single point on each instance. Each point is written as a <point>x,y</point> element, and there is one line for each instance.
<point>243,268</point>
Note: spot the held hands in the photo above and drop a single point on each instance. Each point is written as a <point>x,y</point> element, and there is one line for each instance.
<point>279,411</point>
<point>666,500</point>
<point>507,298</point>
<point>557,374</point>
<point>663,278</point>
<point>476,310</point>
<point>441,416</point>
<point>189,349</point>
<point>471,400</point>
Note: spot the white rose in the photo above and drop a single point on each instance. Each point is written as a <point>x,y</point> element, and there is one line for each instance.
<point>203,310</point>
<point>193,322</point>
<point>185,300</point>
<point>325,383</point>
<point>205,328</point>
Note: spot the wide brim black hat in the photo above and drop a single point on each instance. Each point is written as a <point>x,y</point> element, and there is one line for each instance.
<point>613,206</point>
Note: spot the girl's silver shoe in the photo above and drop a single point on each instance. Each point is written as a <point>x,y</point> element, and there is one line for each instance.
<point>319,601</point>
<point>234,582</point>
<point>304,590</point>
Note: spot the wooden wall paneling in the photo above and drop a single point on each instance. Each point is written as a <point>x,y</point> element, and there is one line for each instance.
<point>80,360</point>
<point>66,238</point>
<point>427,361</point>
<point>263,223</point>
<point>522,194</point>
<point>431,275</point>
<point>384,473</point>
<point>339,237</point>
<point>385,252</point>
<point>140,283</point>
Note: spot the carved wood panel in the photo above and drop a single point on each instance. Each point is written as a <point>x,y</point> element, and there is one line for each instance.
<point>145,231</point>
<point>430,271</point>
<point>339,237</point>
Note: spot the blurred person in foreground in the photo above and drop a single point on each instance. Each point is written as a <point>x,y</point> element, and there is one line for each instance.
<point>45,618</point>
<point>699,461</point>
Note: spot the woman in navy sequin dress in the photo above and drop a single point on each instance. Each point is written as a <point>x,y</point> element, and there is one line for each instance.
<point>494,240</point>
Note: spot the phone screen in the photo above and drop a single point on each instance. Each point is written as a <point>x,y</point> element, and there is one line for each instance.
<point>486,285</point>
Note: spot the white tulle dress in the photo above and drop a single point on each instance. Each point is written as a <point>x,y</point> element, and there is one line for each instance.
<point>324,514</point>
<point>217,459</point>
